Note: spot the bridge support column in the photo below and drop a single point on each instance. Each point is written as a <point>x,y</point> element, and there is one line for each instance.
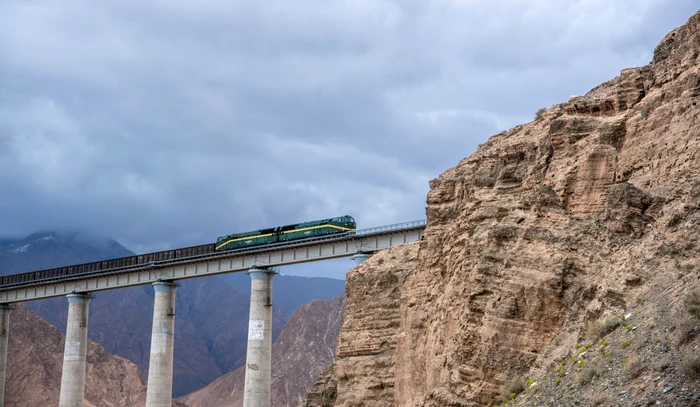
<point>160,367</point>
<point>359,257</point>
<point>75,352</point>
<point>4,331</point>
<point>258,375</point>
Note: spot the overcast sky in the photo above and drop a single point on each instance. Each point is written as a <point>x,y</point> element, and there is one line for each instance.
<point>170,122</point>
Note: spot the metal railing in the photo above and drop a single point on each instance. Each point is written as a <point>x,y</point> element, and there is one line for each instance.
<point>389,228</point>
<point>227,253</point>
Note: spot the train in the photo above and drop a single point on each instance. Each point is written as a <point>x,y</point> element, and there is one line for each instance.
<point>295,232</point>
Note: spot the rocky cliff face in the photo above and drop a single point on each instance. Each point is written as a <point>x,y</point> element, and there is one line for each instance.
<point>546,228</point>
<point>303,350</point>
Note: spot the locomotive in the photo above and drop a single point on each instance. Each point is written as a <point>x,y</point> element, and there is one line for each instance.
<point>342,224</point>
<point>279,234</point>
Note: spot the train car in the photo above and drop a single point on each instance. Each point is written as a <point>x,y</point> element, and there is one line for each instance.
<point>341,224</point>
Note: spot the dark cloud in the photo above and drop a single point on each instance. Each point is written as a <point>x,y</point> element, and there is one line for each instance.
<point>168,123</point>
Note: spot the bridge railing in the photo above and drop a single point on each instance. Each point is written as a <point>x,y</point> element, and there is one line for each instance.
<point>388,228</point>
<point>33,279</point>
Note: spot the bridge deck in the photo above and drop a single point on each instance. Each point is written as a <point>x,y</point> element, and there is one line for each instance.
<point>307,250</point>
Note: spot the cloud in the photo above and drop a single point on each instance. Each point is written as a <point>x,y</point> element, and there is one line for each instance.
<point>168,123</point>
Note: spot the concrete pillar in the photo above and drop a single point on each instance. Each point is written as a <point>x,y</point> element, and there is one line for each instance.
<point>160,367</point>
<point>75,352</point>
<point>258,377</point>
<point>359,257</point>
<point>4,331</point>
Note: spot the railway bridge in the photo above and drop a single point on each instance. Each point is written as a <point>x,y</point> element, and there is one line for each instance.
<point>163,272</point>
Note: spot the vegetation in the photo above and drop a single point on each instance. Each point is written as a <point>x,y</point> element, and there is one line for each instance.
<point>691,367</point>
<point>692,303</point>
<point>586,375</point>
<point>597,329</point>
<point>634,367</point>
<point>513,387</point>
<point>540,113</point>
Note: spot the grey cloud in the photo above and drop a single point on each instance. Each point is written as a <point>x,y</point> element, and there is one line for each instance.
<point>168,123</point>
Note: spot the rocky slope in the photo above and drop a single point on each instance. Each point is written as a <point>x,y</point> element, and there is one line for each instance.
<point>303,350</point>
<point>35,357</point>
<point>545,230</point>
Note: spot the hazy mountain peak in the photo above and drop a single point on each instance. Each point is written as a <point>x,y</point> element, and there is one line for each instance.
<point>56,248</point>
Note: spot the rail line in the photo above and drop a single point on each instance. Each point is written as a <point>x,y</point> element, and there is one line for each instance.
<point>33,278</point>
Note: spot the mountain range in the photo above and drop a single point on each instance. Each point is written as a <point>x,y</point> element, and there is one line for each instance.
<point>212,318</point>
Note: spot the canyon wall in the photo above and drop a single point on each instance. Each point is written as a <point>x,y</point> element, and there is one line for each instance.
<point>546,227</point>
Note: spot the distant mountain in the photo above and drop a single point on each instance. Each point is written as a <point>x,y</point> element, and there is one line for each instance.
<point>212,318</point>
<point>291,292</point>
<point>211,324</point>
<point>304,350</point>
<point>34,366</point>
<point>53,249</point>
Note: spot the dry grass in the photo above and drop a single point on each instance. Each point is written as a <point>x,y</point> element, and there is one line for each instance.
<point>513,386</point>
<point>691,367</point>
<point>686,329</point>
<point>597,399</point>
<point>633,367</point>
<point>540,113</point>
<point>586,375</point>
<point>692,303</point>
<point>598,329</point>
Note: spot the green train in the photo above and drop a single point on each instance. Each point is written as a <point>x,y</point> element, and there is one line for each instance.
<point>341,224</point>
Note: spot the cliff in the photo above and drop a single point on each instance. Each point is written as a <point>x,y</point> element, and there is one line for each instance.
<point>305,348</point>
<point>545,231</point>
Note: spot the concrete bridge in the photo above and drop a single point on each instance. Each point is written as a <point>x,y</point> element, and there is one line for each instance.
<point>257,261</point>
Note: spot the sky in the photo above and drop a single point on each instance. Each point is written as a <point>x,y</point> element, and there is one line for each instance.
<point>169,123</point>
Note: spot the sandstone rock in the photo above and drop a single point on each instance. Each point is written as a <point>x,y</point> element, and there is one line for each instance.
<point>546,227</point>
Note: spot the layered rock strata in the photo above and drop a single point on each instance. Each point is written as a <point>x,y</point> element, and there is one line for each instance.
<point>545,228</point>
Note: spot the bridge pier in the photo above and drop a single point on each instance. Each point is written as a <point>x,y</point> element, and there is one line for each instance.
<point>258,375</point>
<point>160,367</point>
<point>359,257</point>
<point>75,351</point>
<point>4,331</point>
